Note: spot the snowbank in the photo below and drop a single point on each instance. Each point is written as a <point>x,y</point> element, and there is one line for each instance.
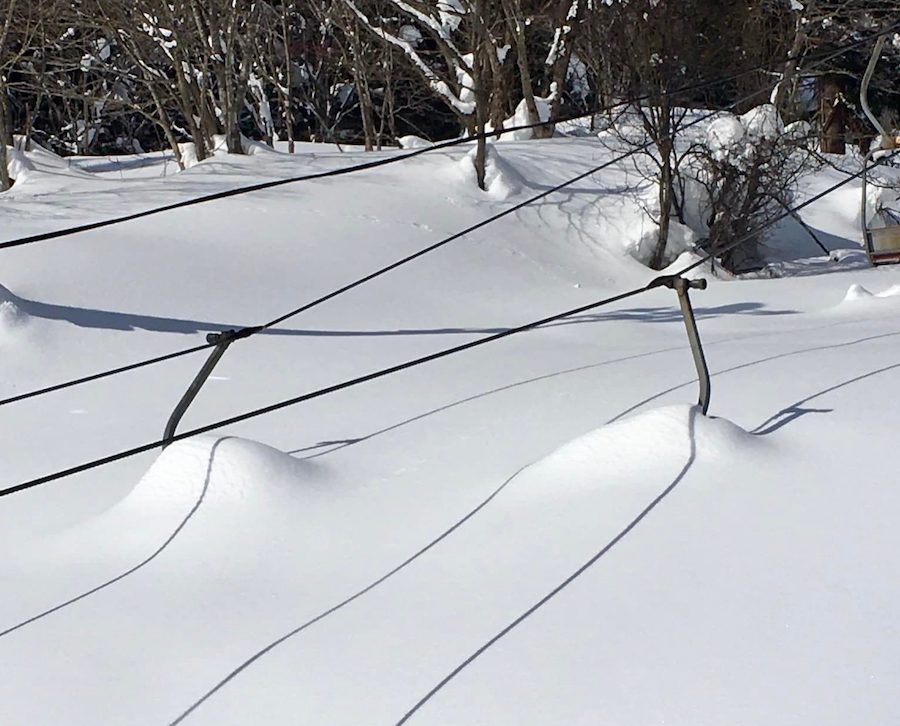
<point>500,177</point>
<point>770,570</point>
<point>250,147</point>
<point>228,472</point>
<point>682,239</point>
<point>38,166</point>
<point>856,294</point>
<point>638,448</point>
<point>413,142</point>
<point>521,118</point>
<point>11,315</point>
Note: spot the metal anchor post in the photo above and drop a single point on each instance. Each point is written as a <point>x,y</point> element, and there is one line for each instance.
<point>221,341</point>
<point>682,285</point>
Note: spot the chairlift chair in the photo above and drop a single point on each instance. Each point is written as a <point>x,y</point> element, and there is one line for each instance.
<point>882,243</point>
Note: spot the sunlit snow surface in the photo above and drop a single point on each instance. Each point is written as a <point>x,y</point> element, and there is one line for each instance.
<point>763,588</point>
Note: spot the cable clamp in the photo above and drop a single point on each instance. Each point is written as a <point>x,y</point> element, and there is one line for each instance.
<point>229,336</point>
<point>677,282</point>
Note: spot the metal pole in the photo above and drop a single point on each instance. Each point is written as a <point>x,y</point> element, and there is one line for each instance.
<point>682,286</point>
<point>864,88</point>
<point>221,341</point>
<point>884,141</point>
<point>864,202</point>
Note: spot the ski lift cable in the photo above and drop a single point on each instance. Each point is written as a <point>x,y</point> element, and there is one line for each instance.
<point>397,368</point>
<point>259,654</point>
<point>624,532</point>
<point>385,372</point>
<point>607,547</point>
<point>248,332</point>
<point>55,234</point>
<point>254,330</point>
<point>530,611</point>
<point>393,369</point>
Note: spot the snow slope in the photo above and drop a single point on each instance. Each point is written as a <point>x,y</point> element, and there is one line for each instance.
<point>762,588</point>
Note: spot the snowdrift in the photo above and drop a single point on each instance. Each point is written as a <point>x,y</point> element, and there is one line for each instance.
<point>12,316</point>
<point>39,169</point>
<point>637,448</point>
<point>769,568</point>
<point>226,472</point>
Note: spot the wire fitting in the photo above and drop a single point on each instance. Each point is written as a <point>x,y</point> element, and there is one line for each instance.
<point>229,336</point>
<point>677,283</point>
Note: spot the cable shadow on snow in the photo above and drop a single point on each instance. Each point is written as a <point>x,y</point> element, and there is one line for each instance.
<point>750,364</point>
<point>344,443</point>
<point>692,456</point>
<point>290,634</point>
<point>791,413</point>
<point>666,314</point>
<point>430,545</point>
<point>143,563</point>
<point>355,596</point>
<point>339,444</point>
<point>786,416</point>
<point>110,320</point>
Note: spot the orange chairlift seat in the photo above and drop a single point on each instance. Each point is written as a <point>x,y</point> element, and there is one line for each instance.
<point>882,243</point>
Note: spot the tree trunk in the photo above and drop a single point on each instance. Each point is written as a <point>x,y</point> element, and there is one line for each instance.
<point>5,140</point>
<point>31,114</point>
<point>784,86</point>
<point>166,126</point>
<point>481,117</point>
<point>515,21</point>
<point>481,148</point>
<point>288,83</point>
<point>86,120</point>
<point>664,145</point>
<point>366,111</point>
<point>5,180</point>
<point>657,262</point>
<point>190,99</point>
<point>832,115</point>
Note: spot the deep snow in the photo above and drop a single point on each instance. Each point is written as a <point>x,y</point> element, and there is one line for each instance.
<point>763,589</point>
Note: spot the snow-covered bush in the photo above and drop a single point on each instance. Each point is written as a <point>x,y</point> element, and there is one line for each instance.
<point>739,178</point>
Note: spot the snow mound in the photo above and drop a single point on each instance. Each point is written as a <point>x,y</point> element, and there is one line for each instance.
<point>682,239</point>
<point>250,147</point>
<point>723,134</point>
<point>500,177</point>
<point>11,315</point>
<point>861,298</point>
<point>892,291</point>
<point>638,449</point>
<point>732,138</point>
<point>38,163</point>
<point>763,123</point>
<point>413,142</point>
<point>253,147</point>
<point>225,471</point>
<point>521,117</point>
<point>857,292</point>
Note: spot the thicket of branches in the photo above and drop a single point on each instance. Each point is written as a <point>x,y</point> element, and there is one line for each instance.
<point>123,76</point>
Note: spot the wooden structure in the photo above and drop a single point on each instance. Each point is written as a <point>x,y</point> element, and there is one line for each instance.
<point>882,243</point>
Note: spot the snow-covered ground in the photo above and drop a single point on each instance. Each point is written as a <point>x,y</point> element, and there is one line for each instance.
<point>763,589</point>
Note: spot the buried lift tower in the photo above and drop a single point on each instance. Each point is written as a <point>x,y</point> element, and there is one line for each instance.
<point>882,243</point>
